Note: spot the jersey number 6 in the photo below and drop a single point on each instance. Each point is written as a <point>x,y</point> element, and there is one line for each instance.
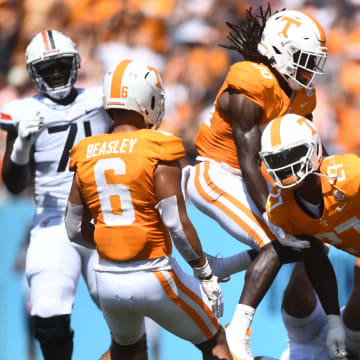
<point>115,199</point>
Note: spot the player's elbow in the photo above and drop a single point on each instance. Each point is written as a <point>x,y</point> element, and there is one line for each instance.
<point>13,187</point>
<point>15,178</point>
<point>73,225</point>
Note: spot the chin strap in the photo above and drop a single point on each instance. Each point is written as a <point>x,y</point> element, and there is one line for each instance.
<point>331,178</point>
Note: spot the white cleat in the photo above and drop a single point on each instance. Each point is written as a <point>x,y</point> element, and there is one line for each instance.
<point>239,346</point>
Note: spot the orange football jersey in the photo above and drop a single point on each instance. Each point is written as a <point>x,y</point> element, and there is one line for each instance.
<point>339,223</point>
<point>256,82</point>
<point>115,175</point>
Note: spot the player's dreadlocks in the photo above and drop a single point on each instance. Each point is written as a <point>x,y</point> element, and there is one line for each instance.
<point>246,35</point>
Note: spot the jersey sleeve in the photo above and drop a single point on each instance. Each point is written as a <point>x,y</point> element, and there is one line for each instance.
<point>75,154</point>
<point>345,168</point>
<point>246,78</point>
<point>9,116</point>
<point>168,147</point>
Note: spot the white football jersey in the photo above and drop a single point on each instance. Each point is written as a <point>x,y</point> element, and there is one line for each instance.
<point>64,127</point>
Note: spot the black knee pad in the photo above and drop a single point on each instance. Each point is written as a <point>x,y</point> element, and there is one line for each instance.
<point>286,254</point>
<point>53,330</point>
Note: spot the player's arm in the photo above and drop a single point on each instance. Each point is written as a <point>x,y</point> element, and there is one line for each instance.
<point>246,115</point>
<point>16,169</point>
<point>322,277</point>
<point>172,209</point>
<point>321,274</point>
<point>16,177</point>
<point>77,219</point>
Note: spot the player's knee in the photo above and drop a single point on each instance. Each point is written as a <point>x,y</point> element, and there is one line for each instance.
<point>53,330</point>
<point>286,254</point>
<point>128,351</point>
<point>352,343</point>
<point>216,346</point>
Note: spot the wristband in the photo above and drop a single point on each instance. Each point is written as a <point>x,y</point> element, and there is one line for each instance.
<point>203,272</point>
<point>334,321</point>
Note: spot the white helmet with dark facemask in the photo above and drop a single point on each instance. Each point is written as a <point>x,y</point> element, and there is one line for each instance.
<point>290,149</point>
<point>295,44</point>
<point>133,85</point>
<point>52,62</point>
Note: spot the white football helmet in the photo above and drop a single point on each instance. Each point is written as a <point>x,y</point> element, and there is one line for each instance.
<point>132,85</point>
<point>47,49</point>
<point>290,149</point>
<point>295,43</point>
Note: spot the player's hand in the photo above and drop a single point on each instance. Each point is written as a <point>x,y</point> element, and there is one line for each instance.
<point>211,287</point>
<point>284,238</point>
<point>30,126</point>
<point>335,340</point>
<point>27,128</point>
<point>213,291</point>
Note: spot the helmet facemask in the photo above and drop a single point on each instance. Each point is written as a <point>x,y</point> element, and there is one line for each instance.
<point>304,67</point>
<point>56,75</point>
<point>289,166</point>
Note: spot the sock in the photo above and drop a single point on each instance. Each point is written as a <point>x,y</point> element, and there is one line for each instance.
<point>236,263</point>
<point>241,320</point>
<point>223,267</point>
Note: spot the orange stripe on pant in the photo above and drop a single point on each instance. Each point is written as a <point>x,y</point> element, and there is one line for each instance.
<point>232,200</point>
<point>196,299</point>
<point>183,305</point>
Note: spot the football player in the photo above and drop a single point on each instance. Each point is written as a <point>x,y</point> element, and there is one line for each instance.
<point>284,53</point>
<point>306,322</point>
<point>40,132</point>
<point>318,198</point>
<point>128,182</point>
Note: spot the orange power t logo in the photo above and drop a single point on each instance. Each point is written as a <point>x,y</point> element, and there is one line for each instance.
<point>289,22</point>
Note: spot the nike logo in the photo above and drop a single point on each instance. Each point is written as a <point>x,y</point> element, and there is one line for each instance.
<point>304,104</point>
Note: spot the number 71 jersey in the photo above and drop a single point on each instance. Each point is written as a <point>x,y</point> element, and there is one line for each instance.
<point>339,224</point>
<point>64,127</point>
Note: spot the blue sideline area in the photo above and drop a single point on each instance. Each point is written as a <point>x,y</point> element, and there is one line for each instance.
<point>91,335</point>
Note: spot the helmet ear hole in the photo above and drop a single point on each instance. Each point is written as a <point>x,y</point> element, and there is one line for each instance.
<point>153,103</point>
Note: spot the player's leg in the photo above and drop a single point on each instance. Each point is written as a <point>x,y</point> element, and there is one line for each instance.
<point>137,351</point>
<point>179,305</point>
<point>153,333</point>
<point>52,270</point>
<point>215,348</point>
<point>223,196</point>
<point>299,300</point>
<point>351,316</point>
<point>89,258</point>
<point>304,319</point>
<point>121,300</point>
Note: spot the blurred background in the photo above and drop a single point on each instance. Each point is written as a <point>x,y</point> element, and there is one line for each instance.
<point>181,39</point>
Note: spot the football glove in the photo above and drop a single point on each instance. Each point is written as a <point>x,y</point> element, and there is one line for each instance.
<point>209,283</point>
<point>335,340</point>
<point>27,128</point>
